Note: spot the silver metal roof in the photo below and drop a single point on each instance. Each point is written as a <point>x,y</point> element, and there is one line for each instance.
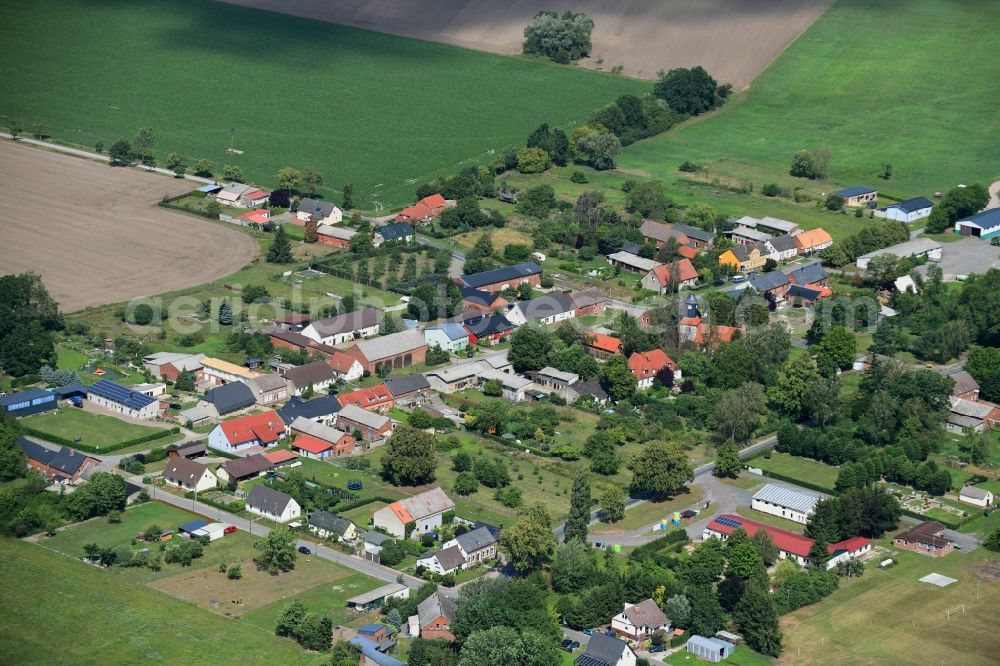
<point>796,500</point>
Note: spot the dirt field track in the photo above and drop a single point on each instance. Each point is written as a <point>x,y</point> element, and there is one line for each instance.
<point>95,234</point>
<point>733,39</point>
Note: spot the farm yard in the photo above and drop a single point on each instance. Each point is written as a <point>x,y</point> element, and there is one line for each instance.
<point>868,94</point>
<point>105,240</point>
<point>673,33</point>
<point>888,617</point>
<point>353,130</point>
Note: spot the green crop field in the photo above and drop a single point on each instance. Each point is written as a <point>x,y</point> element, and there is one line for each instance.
<point>71,613</point>
<point>911,84</point>
<point>381,111</point>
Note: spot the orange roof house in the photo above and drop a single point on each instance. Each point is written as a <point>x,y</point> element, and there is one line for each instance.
<point>693,329</point>
<point>659,278</point>
<point>813,240</point>
<point>374,398</point>
<point>263,429</point>
<point>425,210</point>
<point>687,251</point>
<point>313,445</point>
<point>599,345</point>
<point>646,366</point>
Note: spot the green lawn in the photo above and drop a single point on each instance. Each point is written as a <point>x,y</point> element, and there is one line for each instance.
<point>329,599</point>
<point>383,111</point>
<point>870,82</point>
<point>804,469</point>
<point>70,359</point>
<point>743,656</point>
<point>768,519</point>
<point>93,429</point>
<point>112,620</point>
<point>645,514</point>
<point>888,617</point>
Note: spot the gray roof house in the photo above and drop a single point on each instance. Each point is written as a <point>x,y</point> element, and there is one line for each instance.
<point>229,398</point>
<point>315,209</point>
<point>316,374</point>
<point>270,502</point>
<point>324,521</point>
<point>511,274</point>
<point>397,231</point>
<point>476,540</point>
<point>605,651</point>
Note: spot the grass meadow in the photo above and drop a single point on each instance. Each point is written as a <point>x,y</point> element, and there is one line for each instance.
<point>381,111</point>
<point>69,612</point>
<point>888,617</point>
<point>93,429</point>
<point>905,83</point>
<point>806,469</point>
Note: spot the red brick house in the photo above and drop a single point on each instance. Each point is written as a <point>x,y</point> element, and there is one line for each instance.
<point>170,365</point>
<point>64,465</point>
<point>436,613</point>
<point>499,279</point>
<point>372,426</point>
<point>927,538</point>
<point>374,399</point>
<point>588,302</point>
<point>335,237</point>
<point>398,350</point>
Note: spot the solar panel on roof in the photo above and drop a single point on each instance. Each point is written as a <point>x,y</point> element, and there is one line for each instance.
<point>121,395</point>
<point>729,522</point>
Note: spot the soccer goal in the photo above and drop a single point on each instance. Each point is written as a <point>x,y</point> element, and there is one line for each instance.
<point>954,611</point>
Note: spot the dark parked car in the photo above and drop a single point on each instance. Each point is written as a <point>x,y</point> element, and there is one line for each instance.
<point>575,645</point>
<point>304,550</point>
<point>659,648</point>
<point>565,645</point>
<point>588,632</point>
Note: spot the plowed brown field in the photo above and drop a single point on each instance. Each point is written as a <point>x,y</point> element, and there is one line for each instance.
<point>95,234</point>
<point>733,39</point>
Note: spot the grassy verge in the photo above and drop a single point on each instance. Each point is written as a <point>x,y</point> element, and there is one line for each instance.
<point>794,467</point>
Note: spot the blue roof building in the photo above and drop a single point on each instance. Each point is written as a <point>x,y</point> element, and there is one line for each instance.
<point>981,225</point>
<point>26,403</point>
<point>450,337</point>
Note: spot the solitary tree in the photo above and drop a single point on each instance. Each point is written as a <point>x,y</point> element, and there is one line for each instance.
<point>120,153</point>
<point>347,202</point>
<point>143,145</point>
<point>613,504</point>
<point>727,461</point>
<point>757,618</point>
<point>276,552</point>
<point>289,178</point>
<point>311,179</point>
<point>311,234</point>
<point>409,457</point>
<point>661,469</point>
<point>579,509</point>
<point>14,128</point>
<point>280,251</point>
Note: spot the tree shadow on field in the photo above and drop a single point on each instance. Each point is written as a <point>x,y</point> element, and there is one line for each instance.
<point>247,35</point>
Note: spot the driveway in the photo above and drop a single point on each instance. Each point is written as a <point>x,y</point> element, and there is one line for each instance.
<point>966,256</point>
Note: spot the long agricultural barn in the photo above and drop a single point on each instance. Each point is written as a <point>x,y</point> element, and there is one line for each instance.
<point>785,502</point>
<point>123,400</point>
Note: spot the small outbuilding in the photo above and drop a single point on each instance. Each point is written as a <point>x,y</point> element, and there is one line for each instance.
<point>711,650</point>
<point>977,496</point>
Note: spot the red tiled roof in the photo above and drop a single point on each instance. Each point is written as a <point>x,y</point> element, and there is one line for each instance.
<point>266,427</point>
<point>366,397</point>
<point>341,362</point>
<point>790,542</point>
<point>722,333</point>
<point>691,321</point>
<point>687,251</point>
<point>256,194</point>
<point>311,444</point>
<point>257,216</point>
<point>849,545</point>
<point>648,364</point>
<point>433,201</point>
<point>280,456</point>
<point>401,512</point>
<point>685,271</point>
<point>607,343</point>
<point>418,212</point>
